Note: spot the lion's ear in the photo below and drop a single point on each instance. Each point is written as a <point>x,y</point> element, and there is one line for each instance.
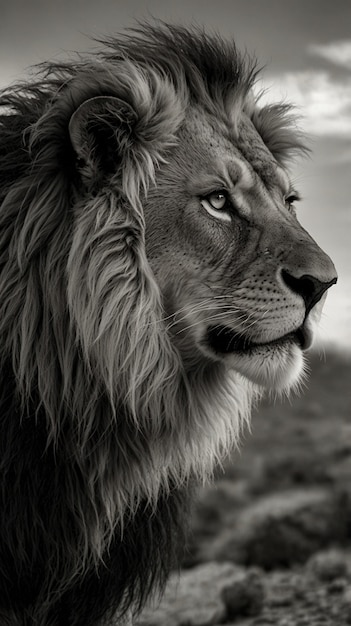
<point>101,132</point>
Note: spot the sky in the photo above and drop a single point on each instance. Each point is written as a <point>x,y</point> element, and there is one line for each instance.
<point>304,48</point>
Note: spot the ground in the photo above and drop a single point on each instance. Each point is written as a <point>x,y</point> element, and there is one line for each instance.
<point>270,541</point>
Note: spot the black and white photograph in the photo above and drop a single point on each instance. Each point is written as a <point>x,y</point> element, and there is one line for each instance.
<point>175,313</point>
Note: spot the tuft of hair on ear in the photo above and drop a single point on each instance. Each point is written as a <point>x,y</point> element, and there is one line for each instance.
<point>100,117</point>
<point>123,136</point>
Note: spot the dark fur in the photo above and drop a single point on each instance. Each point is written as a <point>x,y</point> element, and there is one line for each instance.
<point>35,519</point>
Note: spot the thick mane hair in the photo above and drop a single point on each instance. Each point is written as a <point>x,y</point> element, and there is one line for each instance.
<point>103,429</point>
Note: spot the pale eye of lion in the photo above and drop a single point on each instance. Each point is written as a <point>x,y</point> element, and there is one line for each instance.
<point>218,205</point>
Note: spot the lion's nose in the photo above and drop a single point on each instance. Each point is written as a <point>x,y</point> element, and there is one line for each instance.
<point>308,287</point>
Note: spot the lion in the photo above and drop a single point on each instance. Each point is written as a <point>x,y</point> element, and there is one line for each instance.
<point>154,279</point>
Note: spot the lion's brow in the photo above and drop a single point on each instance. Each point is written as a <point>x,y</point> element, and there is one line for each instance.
<point>239,173</point>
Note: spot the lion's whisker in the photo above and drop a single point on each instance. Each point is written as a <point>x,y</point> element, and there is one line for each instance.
<point>218,315</point>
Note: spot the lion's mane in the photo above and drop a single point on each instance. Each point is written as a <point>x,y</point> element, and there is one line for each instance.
<point>102,427</point>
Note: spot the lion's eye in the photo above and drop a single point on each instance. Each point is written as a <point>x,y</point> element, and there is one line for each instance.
<point>218,205</point>
<point>290,200</point>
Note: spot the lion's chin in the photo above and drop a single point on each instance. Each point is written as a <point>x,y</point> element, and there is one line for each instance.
<point>277,365</point>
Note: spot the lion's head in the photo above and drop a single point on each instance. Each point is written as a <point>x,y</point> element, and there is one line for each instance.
<point>152,270</point>
<point>242,281</point>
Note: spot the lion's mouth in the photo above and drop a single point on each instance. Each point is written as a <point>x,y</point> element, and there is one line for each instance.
<point>225,340</point>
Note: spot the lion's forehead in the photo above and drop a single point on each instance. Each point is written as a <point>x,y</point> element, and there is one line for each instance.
<point>238,153</point>
<point>255,152</point>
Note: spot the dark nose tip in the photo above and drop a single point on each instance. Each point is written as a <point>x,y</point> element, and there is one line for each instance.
<point>308,287</point>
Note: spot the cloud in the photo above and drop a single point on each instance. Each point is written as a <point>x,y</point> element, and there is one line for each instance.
<point>323,102</point>
<point>338,52</point>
